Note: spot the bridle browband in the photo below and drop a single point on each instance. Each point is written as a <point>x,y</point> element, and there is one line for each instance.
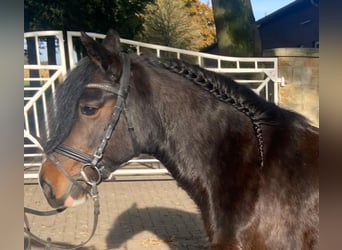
<point>91,161</point>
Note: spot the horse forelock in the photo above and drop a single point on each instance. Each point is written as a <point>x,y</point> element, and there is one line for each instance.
<point>62,111</point>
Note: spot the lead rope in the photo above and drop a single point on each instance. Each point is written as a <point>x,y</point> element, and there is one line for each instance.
<point>48,243</point>
<point>36,212</point>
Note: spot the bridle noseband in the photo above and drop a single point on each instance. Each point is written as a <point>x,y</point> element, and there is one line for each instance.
<point>94,161</point>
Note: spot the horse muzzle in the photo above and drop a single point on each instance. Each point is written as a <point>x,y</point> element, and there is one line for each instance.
<point>59,190</point>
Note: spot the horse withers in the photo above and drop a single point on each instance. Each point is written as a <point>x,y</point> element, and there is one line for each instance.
<point>250,166</point>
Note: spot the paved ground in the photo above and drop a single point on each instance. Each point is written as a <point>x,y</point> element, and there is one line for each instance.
<point>137,213</point>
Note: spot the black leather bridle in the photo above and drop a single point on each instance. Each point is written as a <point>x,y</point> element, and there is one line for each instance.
<point>91,161</point>
<point>94,161</point>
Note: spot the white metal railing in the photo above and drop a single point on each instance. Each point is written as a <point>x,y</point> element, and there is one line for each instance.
<point>39,86</point>
<point>35,117</point>
<point>40,36</point>
<point>35,109</point>
<point>264,71</point>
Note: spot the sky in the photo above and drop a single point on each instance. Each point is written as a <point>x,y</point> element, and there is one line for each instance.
<point>262,8</point>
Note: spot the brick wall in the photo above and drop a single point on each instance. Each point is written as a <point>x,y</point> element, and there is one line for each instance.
<point>300,68</point>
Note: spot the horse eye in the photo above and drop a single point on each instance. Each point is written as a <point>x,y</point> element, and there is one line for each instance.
<point>86,110</point>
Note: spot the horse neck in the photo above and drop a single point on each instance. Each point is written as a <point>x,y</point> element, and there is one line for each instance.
<point>182,124</point>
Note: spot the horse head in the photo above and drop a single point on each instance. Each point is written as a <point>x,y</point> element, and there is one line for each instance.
<point>88,125</point>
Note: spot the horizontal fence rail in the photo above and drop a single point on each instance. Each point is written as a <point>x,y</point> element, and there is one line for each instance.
<point>42,77</point>
<point>260,73</point>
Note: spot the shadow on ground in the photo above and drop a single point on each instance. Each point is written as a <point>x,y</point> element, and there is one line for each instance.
<point>176,228</point>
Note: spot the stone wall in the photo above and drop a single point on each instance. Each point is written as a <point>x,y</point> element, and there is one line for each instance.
<point>300,68</point>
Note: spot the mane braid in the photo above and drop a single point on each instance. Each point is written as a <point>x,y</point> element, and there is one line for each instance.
<point>226,90</point>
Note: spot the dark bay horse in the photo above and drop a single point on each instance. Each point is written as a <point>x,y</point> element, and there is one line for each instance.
<point>249,165</point>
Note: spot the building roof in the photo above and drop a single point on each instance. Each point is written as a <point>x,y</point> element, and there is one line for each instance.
<point>293,6</point>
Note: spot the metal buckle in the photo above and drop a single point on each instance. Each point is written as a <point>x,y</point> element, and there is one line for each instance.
<point>86,178</point>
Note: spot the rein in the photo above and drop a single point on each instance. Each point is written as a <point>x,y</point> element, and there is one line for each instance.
<point>91,161</point>
<point>48,243</point>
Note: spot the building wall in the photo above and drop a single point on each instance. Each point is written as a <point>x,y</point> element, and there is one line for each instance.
<point>300,68</point>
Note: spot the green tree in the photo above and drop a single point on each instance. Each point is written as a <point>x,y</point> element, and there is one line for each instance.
<point>87,15</point>
<point>236,31</point>
<point>176,23</point>
<point>81,15</point>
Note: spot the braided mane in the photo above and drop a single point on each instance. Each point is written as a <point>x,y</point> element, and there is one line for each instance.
<point>240,97</point>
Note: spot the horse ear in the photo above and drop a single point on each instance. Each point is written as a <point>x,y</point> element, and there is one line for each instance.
<point>101,54</point>
<point>112,41</point>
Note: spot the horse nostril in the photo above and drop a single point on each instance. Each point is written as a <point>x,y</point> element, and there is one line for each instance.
<point>47,189</point>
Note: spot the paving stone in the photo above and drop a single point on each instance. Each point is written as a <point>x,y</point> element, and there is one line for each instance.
<point>137,213</point>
